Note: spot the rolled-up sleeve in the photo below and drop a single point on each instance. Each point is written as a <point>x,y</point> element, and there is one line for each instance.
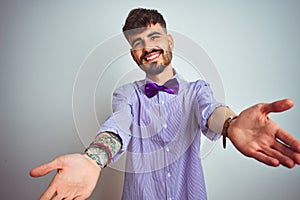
<point>120,120</point>
<point>206,104</point>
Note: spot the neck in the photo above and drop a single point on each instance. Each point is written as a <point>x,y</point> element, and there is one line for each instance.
<point>163,77</point>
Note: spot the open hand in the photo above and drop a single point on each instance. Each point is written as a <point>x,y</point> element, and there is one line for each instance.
<point>257,136</point>
<point>76,177</point>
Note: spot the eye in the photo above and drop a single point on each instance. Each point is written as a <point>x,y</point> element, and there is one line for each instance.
<point>154,37</point>
<point>137,44</point>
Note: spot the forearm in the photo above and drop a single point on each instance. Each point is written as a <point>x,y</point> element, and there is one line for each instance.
<point>220,121</point>
<point>218,117</point>
<point>105,146</point>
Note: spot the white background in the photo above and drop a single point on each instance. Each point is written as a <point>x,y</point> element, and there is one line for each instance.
<point>254,45</point>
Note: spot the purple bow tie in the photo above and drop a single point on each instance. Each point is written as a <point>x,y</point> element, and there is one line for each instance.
<point>171,87</point>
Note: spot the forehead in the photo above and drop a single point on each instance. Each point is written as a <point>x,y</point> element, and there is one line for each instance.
<point>145,32</point>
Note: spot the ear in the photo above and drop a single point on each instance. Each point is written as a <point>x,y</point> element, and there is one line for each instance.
<point>171,41</point>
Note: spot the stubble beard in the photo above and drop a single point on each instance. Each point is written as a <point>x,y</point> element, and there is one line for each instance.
<point>156,68</point>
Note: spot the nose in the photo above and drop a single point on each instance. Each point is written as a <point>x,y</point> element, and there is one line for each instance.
<point>148,45</point>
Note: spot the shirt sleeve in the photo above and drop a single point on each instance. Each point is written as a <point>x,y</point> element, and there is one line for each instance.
<point>206,105</point>
<point>120,120</point>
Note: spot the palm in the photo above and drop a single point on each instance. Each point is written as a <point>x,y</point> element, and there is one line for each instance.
<point>76,177</point>
<point>257,136</point>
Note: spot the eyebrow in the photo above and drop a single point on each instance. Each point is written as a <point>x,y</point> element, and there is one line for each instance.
<point>153,33</point>
<point>149,35</point>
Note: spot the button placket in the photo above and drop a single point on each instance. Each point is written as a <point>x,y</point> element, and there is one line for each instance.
<point>168,176</point>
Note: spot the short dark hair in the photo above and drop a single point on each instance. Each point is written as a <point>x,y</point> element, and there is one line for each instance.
<point>140,18</point>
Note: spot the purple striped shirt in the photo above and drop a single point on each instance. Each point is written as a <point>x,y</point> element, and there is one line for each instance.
<point>161,139</point>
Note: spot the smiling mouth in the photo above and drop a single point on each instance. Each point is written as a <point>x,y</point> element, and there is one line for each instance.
<point>152,56</point>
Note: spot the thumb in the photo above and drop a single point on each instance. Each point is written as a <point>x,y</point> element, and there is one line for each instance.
<point>277,106</point>
<point>45,168</point>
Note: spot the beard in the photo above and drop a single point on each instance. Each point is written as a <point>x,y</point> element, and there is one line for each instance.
<point>156,68</point>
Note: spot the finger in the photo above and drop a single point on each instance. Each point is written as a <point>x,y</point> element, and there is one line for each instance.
<point>69,198</point>
<point>79,198</point>
<point>277,106</point>
<point>284,160</point>
<point>268,160</point>
<point>49,193</point>
<point>286,150</point>
<point>58,197</point>
<point>45,168</point>
<point>288,139</point>
<point>65,196</point>
<point>82,196</point>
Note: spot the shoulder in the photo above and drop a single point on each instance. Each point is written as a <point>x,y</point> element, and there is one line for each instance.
<point>197,85</point>
<point>192,89</point>
<point>128,89</point>
<point>200,86</point>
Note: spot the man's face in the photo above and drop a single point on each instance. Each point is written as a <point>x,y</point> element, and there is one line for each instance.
<point>152,49</point>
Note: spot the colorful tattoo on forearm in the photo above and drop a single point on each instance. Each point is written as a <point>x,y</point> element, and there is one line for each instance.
<point>104,147</point>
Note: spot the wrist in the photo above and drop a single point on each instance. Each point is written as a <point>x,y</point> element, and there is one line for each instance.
<point>91,160</point>
<point>98,155</point>
<point>103,148</point>
<point>227,128</point>
<point>230,129</point>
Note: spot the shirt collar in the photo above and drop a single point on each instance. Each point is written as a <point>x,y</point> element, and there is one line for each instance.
<point>147,80</point>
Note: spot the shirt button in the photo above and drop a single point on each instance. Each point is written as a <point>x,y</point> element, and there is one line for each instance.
<point>162,102</point>
<point>167,149</point>
<point>165,125</point>
<point>169,174</point>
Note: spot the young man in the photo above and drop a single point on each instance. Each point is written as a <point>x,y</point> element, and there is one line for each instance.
<point>158,122</point>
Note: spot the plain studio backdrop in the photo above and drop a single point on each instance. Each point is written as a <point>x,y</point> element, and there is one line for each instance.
<point>255,46</point>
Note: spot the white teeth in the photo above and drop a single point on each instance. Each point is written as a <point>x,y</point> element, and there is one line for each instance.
<point>153,57</point>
